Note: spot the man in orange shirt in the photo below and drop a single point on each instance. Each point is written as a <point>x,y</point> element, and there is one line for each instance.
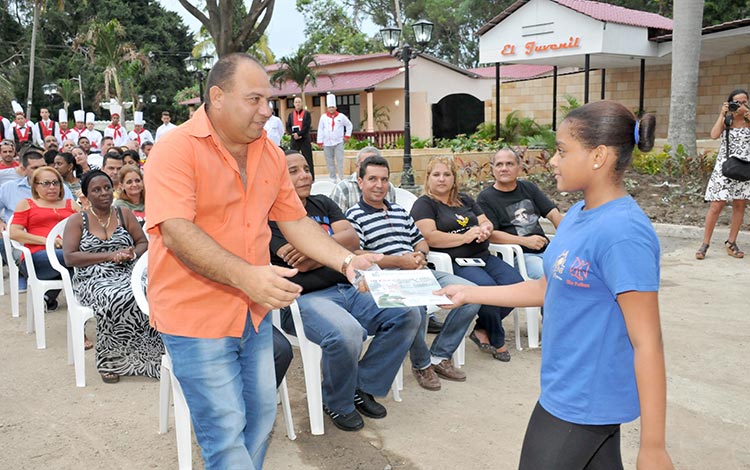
<point>213,185</point>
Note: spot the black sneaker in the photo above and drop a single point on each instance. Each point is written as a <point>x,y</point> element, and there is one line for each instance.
<point>51,304</point>
<point>366,404</point>
<point>348,422</point>
<point>434,326</point>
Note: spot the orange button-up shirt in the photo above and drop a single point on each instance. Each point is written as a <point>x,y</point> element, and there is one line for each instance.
<point>191,175</point>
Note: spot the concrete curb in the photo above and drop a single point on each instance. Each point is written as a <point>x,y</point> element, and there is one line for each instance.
<point>680,231</point>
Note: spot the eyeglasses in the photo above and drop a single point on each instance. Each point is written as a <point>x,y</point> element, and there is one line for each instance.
<point>47,184</point>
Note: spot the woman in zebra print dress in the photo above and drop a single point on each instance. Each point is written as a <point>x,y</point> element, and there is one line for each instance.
<point>102,244</point>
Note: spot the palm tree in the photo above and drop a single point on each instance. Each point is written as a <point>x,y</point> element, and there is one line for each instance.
<point>103,45</point>
<point>299,68</point>
<point>686,50</point>
<point>261,51</point>
<point>67,91</point>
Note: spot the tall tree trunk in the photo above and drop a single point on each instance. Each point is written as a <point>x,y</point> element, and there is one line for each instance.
<point>686,50</point>
<point>32,57</point>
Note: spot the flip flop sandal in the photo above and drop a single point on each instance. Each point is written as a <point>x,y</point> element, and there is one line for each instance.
<point>110,378</point>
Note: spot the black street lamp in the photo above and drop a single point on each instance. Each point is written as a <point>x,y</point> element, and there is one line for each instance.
<point>200,66</point>
<point>50,90</point>
<point>391,38</point>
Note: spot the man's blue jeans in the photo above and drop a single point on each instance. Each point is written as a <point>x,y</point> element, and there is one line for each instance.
<point>452,333</point>
<point>231,392</point>
<point>495,273</point>
<point>339,319</point>
<point>534,265</point>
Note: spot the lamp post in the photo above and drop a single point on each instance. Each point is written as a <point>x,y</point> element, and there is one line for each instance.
<point>391,38</point>
<point>50,90</point>
<point>200,66</point>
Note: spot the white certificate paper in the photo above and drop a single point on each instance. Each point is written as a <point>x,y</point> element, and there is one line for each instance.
<point>409,288</point>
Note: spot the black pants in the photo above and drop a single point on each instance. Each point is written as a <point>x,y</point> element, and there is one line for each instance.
<point>282,355</point>
<point>553,444</point>
<point>304,147</point>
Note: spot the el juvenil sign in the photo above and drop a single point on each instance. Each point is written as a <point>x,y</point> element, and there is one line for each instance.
<point>532,47</point>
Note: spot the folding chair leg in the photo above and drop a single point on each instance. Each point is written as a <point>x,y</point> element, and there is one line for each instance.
<point>311,367</point>
<point>532,325</point>
<point>398,384</point>
<point>286,410</point>
<point>164,396</point>
<point>182,426</point>
<point>517,324</point>
<point>14,291</point>
<point>459,356</point>
<point>79,354</point>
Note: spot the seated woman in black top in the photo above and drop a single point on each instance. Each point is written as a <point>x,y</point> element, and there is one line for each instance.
<point>453,223</point>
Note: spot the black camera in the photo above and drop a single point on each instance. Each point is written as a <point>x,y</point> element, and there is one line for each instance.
<point>734,106</point>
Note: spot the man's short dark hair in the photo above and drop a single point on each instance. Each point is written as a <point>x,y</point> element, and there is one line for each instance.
<point>165,113</point>
<point>144,144</point>
<point>30,153</point>
<point>108,137</point>
<point>110,156</point>
<point>223,71</point>
<point>374,161</point>
<point>49,156</point>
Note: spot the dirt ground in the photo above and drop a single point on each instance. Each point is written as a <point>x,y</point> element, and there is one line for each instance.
<point>48,423</point>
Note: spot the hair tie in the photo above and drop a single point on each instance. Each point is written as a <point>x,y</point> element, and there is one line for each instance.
<point>636,132</point>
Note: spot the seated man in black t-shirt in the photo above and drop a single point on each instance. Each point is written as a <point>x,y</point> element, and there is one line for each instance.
<point>514,207</point>
<point>339,318</point>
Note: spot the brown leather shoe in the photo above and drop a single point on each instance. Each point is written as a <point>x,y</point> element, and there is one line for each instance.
<point>427,378</point>
<point>447,371</point>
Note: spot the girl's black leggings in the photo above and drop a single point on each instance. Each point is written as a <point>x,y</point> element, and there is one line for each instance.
<point>553,444</point>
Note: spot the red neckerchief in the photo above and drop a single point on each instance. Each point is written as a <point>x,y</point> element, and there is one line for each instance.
<point>47,130</point>
<point>333,118</point>
<point>64,134</point>
<point>117,132</point>
<point>138,133</point>
<point>298,118</point>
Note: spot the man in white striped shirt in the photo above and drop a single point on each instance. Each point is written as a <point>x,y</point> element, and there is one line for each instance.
<point>387,228</point>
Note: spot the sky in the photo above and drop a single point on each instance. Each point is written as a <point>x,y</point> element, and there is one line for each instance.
<point>285,31</point>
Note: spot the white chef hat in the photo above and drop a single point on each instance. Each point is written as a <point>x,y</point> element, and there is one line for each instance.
<point>80,115</point>
<point>138,118</point>
<point>330,100</point>
<point>17,109</point>
<point>90,118</point>
<point>115,110</point>
<point>62,115</point>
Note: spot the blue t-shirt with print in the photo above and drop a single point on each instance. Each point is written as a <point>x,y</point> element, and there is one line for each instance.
<point>588,374</point>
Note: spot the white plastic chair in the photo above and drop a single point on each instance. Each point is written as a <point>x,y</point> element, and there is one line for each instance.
<point>12,270</point>
<point>405,199</point>
<point>311,357</point>
<point>182,423</point>
<point>35,291</point>
<point>442,262</point>
<point>322,187</point>
<point>509,253</point>
<point>77,313</point>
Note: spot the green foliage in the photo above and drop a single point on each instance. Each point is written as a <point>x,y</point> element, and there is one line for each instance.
<point>473,175</point>
<point>299,68</point>
<point>330,29</point>
<point>381,115</point>
<point>485,130</point>
<point>464,143</point>
<point>356,144</point>
<point>416,143</point>
<point>571,104</point>
<point>674,164</point>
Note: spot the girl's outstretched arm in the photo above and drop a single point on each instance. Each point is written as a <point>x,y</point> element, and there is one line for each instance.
<point>523,294</point>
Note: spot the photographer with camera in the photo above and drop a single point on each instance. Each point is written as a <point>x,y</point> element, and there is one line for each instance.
<point>733,127</point>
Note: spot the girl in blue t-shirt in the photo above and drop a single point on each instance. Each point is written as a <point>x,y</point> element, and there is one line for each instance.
<point>602,361</point>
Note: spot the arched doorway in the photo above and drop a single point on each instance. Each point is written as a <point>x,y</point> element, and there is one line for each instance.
<point>455,114</point>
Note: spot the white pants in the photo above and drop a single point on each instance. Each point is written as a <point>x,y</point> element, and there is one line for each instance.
<point>335,160</point>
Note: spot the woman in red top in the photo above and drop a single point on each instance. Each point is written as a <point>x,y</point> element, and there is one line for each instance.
<point>34,219</point>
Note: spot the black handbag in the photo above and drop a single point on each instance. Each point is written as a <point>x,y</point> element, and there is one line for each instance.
<point>736,169</point>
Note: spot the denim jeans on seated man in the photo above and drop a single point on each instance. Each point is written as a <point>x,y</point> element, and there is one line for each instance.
<point>534,265</point>
<point>339,319</point>
<point>232,402</point>
<point>454,329</point>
